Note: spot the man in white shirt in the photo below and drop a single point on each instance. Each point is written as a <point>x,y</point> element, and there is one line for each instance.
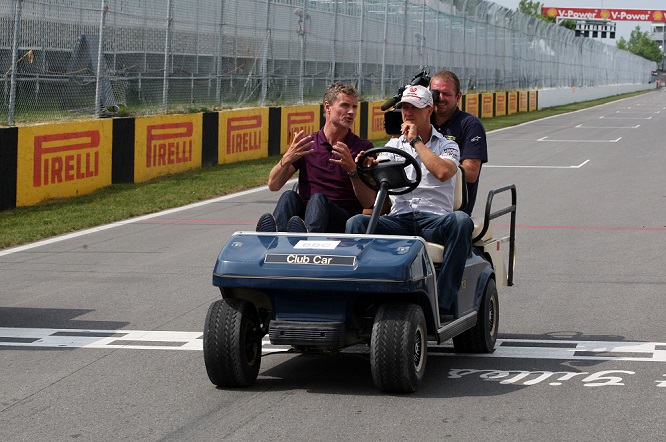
<point>427,211</point>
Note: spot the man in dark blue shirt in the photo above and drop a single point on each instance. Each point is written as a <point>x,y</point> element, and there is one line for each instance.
<point>463,128</point>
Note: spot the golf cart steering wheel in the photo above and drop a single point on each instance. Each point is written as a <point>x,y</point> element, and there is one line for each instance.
<point>390,172</point>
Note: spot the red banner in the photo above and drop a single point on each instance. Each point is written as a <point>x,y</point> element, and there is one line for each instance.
<point>604,14</point>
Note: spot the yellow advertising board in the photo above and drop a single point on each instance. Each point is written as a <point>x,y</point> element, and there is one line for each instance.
<point>513,103</point>
<point>242,135</point>
<point>500,104</point>
<point>62,160</point>
<point>472,104</point>
<point>533,101</point>
<point>296,119</point>
<point>376,130</point>
<point>166,145</point>
<point>487,105</point>
<point>522,101</point>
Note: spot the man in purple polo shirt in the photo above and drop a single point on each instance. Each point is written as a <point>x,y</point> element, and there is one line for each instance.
<point>329,191</point>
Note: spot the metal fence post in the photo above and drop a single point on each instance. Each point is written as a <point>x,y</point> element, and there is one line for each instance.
<point>100,54</point>
<point>12,75</point>
<point>383,81</point>
<point>167,57</point>
<point>264,56</point>
<point>359,86</point>
<point>335,42</point>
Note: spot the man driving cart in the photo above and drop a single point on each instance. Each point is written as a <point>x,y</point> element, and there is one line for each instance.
<point>427,211</point>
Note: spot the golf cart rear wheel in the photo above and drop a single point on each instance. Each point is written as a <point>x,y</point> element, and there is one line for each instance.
<point>482,337</point>
<point>398,347</point>
<point>232,343</point>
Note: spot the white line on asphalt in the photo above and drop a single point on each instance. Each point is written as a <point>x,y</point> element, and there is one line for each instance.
<point>544,139</point>
<point>539,167</point>
<point>580,126</point>
<point>37,338</point>
<point>625,118</point>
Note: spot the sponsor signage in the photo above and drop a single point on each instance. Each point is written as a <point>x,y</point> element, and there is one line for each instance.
<point>296,119</point>
<point>522,101</point>
<point>605,14</point>
<point>500,104</point>
<point>513,102</point>
<point>472,104</point>
<point>62,160</point>
<point>166,144</point>
<point>243,135</point>
<point>376,129</point>
<point>532,101</point>
<point>487,105</point>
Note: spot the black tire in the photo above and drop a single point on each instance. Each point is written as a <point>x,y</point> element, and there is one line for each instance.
<point>232,343</point>
<point>482,337</point>
<point>398,348</point>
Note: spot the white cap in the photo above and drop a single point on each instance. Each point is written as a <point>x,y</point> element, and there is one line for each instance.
<point>418,96</point>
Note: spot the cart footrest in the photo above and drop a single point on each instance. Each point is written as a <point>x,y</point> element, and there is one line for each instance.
<point>306,333</point>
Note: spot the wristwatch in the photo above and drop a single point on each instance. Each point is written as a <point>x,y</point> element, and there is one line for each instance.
<point>415,140</point>
<point>354,174</point>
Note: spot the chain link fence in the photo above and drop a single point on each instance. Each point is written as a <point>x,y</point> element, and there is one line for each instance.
<point>63,59</point>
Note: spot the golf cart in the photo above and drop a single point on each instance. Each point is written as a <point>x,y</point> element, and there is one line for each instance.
<point>321,292</point>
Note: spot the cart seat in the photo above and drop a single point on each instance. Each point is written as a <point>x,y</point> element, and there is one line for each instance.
<point>436,251</point>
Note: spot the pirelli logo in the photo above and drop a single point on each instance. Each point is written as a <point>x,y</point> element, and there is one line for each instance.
<point>59,158</point>
<point>300,121</point>
<point>244,133</point>
<point>169,143</point>
<point>377,119</point>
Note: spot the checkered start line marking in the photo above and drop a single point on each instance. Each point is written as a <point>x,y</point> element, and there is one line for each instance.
<point>178,340</point>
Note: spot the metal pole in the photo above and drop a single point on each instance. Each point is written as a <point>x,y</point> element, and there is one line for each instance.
<point>382,90</point>
<point>218,68</point>
<point>423,38</point>
<point>335,42</point>
<point>404,45</point>
<point>100,54</point>
<point>12,75</point>
<point>167,56</point>
<point>264,56</point>
<point>360,48</point>
<point>302,32</point>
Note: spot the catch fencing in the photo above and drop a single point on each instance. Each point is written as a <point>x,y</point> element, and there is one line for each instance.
<point>63,59</point>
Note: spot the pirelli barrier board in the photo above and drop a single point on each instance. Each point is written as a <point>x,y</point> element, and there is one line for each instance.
<point>166,144</point>
<point>243,135</point>
<point>39,163</point>
<point>62,160</point>
<point>297,118</point>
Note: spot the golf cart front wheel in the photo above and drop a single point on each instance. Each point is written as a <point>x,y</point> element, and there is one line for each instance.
<point>232,343</point>
<point>482,337</point>
<point>398,347</point>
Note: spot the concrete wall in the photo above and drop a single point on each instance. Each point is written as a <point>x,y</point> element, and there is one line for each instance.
<point>561,96</point>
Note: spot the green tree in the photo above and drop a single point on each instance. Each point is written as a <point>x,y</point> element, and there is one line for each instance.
<point>640,44</point>
<point>529,7</point>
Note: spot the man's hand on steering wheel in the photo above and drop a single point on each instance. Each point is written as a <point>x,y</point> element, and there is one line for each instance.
<point>390,173</point>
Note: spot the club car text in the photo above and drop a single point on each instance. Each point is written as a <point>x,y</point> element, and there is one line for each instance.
<point>296,258</point>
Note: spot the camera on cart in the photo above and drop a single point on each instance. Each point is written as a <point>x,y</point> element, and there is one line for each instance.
<point>393,117</point>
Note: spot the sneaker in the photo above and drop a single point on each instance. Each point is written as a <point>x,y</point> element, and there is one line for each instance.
<point>296,225</point>
<point>266,223</point>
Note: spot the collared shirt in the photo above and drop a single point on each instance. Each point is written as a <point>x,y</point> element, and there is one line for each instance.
<point>318,175</point>
<point>468,132</point>
<point>432,195</point>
